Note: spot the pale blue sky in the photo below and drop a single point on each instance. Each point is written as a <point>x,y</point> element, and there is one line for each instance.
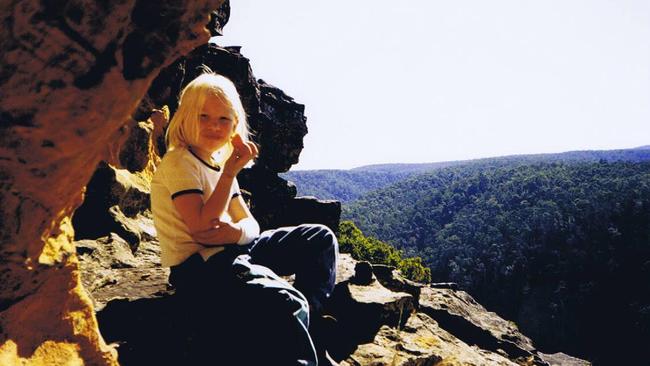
<point>424,81</point>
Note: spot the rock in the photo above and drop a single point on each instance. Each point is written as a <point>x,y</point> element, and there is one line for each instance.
<point>110,252</point>
<point>362,309</point>
<point>274,202</point>
<point>282,126</point>
<point>376,326</point>
<point>312,210</point>
<point>167,87</point>
<point>130,284</point>
<point>393,304</point>
<point>219,18</point>
<point>447,285</point>
<point>124,227</point>
<point>391,279</point>
<point>117,200</point>
<point>562,359</point>
<point>72,73</point>
<point>461,315</point>
<point>138,152</point>
<point>420,342</point>
<point>111,270</point>
<point>362,274</point>
<point>345,269</point>
<point>114,198</point>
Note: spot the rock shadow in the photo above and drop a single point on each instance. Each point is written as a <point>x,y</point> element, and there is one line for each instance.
<point>175,330</point>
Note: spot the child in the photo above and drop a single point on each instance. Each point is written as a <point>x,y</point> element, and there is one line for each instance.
<point>209,237</point>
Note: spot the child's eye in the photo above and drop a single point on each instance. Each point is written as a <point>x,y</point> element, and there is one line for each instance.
<point>204,116</point>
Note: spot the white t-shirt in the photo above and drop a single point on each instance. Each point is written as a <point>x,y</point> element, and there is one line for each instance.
<point>182,172</point>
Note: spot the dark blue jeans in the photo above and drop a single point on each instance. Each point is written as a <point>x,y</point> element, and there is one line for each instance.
<point>309,251</point>
<point>247,284</point>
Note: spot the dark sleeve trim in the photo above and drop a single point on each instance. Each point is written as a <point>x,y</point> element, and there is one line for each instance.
<point>186,191</point>
<point>236,194</point>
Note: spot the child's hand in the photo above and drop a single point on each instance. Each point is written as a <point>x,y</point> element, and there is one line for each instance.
<point>242,153</point>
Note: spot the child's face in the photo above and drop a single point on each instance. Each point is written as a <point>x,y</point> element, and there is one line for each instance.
<point>217,124</point>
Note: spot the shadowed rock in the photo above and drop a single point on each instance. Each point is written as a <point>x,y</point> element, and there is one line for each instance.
<point>375,325</point>
<point>115,199</point>
<point>219,18</point>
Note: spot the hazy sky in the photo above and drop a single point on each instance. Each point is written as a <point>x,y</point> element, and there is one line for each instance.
<point>429,80</point>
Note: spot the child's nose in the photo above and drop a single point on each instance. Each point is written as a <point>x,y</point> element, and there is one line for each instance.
<point>215,125</point>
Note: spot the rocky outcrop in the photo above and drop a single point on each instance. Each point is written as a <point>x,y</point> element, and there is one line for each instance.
<point>116,201</point>
<point>423,335</point>
<point>72,73</point>
<point>461,314</point>
<point>377,325</point>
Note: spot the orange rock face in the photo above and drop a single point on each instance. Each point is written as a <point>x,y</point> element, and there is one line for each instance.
<point>71,74</point>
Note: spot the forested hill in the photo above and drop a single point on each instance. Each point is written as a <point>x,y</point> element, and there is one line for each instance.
<point>348,185</point>
<point>561,248</point>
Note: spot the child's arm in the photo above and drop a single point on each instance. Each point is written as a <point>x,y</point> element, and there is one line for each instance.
<point>242,230</point>
<point>205,228</point>
<point>240,214</point>
<point>199,216</point>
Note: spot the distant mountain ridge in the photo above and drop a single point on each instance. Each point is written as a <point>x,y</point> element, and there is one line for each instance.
<point>348,185</point>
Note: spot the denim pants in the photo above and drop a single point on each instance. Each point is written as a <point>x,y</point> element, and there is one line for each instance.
<point>274,315</point>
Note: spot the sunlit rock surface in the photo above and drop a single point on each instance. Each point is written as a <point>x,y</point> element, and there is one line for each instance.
<point>421,341</point>
<point>461,314</point>
<point>72,73</point>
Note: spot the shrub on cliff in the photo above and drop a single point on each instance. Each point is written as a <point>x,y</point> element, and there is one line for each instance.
<point>361,247</point>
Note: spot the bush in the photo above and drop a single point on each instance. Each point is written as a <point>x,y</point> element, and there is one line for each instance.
<point>352,240</point>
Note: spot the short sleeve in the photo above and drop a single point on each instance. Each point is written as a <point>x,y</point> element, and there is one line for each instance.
<point>182,177</point>
<point>234,190</point>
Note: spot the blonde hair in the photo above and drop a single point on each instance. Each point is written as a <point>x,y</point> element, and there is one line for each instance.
<point>183,130</point>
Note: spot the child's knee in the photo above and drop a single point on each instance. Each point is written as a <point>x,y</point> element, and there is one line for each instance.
<point>321,234</point>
